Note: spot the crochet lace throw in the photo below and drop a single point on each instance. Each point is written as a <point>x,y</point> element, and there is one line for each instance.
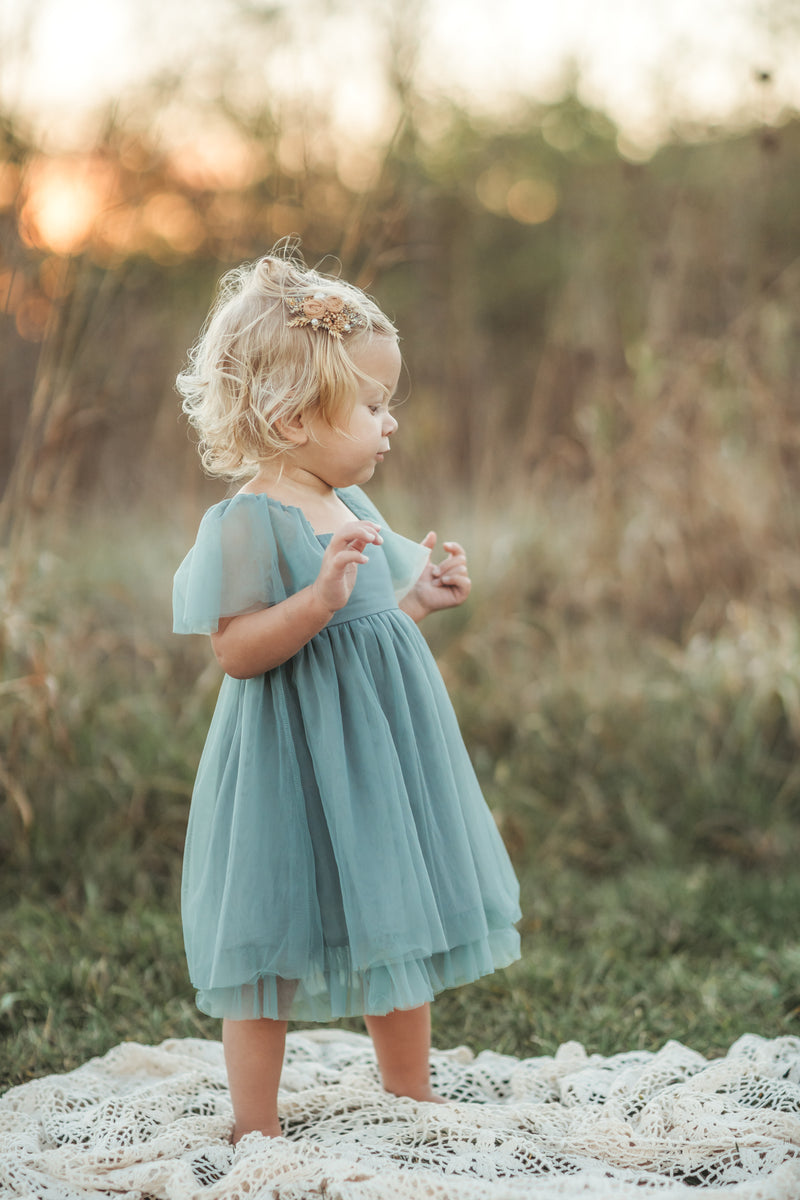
<point>153,1122</point>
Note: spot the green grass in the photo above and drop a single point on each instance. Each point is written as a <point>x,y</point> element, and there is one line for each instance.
<point>699,955</point>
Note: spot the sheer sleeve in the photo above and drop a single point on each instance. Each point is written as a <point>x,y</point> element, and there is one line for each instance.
<point>407,560</point>
<point>233,567</point>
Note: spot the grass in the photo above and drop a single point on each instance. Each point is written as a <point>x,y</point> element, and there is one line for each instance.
<point>629,962</point>
<point>647,791</point>
<point>624,963</point>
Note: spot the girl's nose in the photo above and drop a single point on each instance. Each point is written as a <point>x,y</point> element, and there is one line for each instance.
<point>389,424</point>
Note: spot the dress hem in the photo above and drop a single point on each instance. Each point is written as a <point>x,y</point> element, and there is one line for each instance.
<point>375,991</point>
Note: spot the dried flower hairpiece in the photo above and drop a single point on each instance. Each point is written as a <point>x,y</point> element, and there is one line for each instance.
<point>325,312</point>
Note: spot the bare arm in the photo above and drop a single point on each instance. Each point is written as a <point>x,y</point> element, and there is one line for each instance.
<point>251,644</point>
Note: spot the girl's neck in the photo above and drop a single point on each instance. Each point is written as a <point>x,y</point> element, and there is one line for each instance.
<point>291,484</point>
<point>317,500</point>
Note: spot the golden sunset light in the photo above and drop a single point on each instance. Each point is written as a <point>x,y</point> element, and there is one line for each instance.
<point>646,64</point>
<point>64,198</point>
<point>434,366</point>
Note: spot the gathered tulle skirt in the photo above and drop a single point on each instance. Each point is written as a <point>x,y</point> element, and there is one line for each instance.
<point>340,857</point>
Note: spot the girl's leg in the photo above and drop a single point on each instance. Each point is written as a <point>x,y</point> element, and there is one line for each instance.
<point>254,1058</point>
<point>402,1041</point>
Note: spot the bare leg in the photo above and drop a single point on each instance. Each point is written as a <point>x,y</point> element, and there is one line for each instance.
<point>402,1041</point>
<point>254,1058</point>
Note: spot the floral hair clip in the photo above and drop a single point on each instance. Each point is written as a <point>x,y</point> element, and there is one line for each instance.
<point>325,312</point>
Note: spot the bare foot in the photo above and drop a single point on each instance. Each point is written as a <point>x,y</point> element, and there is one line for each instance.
<point>270,1131</point>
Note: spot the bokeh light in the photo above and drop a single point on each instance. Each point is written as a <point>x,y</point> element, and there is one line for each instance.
<point>63,198</point>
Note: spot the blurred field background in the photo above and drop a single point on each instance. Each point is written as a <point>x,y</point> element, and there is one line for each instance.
<point>602,348</point>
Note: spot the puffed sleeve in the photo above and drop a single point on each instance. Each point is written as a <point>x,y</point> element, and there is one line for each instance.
<point>233,567</point>
<point>407,560</point>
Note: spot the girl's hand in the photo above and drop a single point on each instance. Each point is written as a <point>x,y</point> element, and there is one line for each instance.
<point>439,586</point>
<point>340,562</point>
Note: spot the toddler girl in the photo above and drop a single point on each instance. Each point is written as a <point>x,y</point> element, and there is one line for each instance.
<point>340,858</point>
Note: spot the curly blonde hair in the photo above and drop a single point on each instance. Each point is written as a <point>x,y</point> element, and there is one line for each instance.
<point>250,372</point>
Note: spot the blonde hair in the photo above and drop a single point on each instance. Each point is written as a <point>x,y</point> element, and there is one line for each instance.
<point>249,372</point>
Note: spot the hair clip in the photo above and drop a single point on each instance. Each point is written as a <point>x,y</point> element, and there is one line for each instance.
<point>325,312</point>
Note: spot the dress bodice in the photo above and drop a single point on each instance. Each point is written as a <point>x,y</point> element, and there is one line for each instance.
<point>373,591</point>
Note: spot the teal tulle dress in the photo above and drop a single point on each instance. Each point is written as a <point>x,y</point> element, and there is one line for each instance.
<point>340,858</point>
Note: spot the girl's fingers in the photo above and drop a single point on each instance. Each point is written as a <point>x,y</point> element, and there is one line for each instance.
<point>353,537</point>
<point>350,554</point>
<point>362,530</point>
<point>357,531</point>
<point>454,564</point>
<point>453,571</point>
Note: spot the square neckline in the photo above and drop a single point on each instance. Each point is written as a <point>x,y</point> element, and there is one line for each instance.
<point>296,509</point>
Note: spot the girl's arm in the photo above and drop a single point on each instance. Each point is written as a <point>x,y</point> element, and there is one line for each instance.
<point>256,642</point>
<point>441,586</point>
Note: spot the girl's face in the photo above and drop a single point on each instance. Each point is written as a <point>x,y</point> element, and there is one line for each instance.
<point>349,454</point>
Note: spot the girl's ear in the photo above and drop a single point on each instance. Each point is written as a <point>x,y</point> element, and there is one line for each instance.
<point>294,429</point>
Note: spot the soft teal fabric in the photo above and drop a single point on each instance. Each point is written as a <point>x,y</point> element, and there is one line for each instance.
<point>340,858</point>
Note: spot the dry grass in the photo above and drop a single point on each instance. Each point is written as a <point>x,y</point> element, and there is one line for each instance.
<point>620,740</point>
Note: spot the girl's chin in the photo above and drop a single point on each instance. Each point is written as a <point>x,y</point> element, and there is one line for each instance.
<point>354,479</point>
<point>366,474</point>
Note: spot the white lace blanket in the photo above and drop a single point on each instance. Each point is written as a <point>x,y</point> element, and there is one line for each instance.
<point>152,1123</point>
